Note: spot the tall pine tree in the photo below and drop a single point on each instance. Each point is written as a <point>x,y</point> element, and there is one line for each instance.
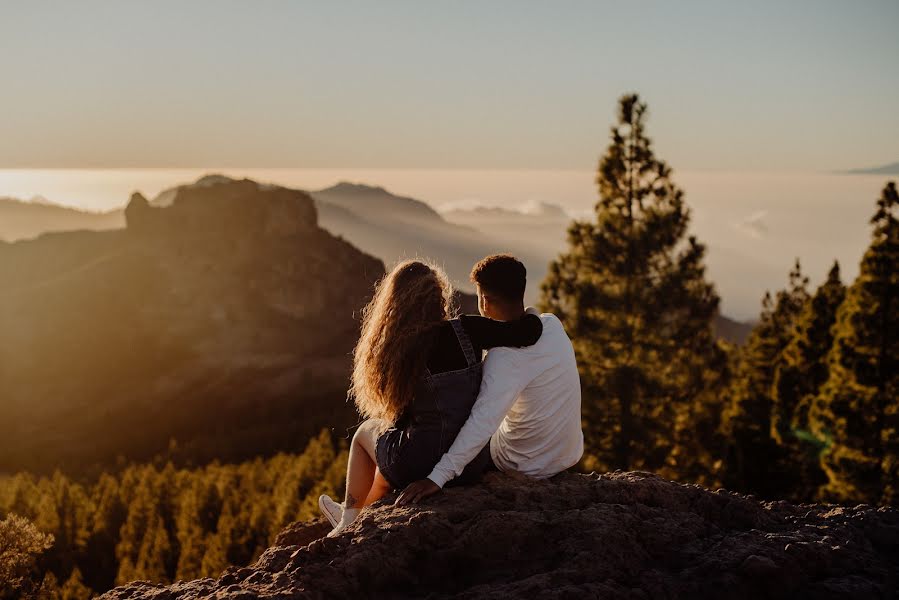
<point>632,293</point>
<point>804,369</point>
<point>799,376</point>
<point>858,411</point>
<point>754,460</point>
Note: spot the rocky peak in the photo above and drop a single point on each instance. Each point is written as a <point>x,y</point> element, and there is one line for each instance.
<point>347,187</point>
<point>619,535</point>
<point>219,204</point>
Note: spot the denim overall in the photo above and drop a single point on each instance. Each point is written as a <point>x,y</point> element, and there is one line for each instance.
<point>439,409</point>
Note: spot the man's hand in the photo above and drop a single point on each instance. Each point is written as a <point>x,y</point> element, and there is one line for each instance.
<point>417,490</point>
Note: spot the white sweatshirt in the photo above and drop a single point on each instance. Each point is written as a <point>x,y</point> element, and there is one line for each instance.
<point>529,408</point>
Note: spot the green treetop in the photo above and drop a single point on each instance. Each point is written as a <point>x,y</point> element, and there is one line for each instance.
<point>755,462</point>
<point>800,373</point>
<point>858,408</point>
<point>632,293</point>
<point>803,369</point>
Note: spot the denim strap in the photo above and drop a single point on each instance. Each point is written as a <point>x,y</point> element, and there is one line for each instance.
<point>464,341</point>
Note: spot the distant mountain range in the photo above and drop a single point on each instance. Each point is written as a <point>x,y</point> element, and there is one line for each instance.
<point>392,227</point>
<point>890,169</point>
<point>388,226</point>
<point>24,220</point>
<point>225,321</point>
<point>541,229</point>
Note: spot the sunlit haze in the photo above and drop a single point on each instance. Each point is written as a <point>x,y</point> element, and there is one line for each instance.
<point>755,223</point>
<point>760,85</point>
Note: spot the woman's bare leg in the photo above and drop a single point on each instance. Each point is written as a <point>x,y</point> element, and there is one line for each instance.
<point>361,467</point>
<point>364,483</point>
<point>379,488</point>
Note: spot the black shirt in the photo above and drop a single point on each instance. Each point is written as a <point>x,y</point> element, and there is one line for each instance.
<point>446,354</point>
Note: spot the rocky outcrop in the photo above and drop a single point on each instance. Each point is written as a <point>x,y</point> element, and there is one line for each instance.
<point>223,321</point>
<point>217,204</point>
<point>620,535</point>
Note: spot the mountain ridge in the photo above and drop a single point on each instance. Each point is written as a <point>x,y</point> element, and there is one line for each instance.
<point>231,305</point>
<point>887,169</point>
<point>393,228</point>
<point>26,219</point>
<point>361,197</point>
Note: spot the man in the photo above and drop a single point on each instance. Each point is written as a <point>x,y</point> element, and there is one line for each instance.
<point>527,418</point>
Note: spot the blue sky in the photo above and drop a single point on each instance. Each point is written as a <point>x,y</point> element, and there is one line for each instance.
<point>748,85</point>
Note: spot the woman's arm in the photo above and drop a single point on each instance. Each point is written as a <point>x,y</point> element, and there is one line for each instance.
<point>486,333</point>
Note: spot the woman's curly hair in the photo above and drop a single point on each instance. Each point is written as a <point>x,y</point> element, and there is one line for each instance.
<point>392,351</point>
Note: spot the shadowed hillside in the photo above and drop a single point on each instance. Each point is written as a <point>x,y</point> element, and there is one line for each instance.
<point>224,321</point>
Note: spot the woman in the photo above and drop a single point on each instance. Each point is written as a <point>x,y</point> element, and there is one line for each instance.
<point>416,375</point>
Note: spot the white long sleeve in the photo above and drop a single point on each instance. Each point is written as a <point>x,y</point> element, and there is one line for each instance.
<point>528,409</point>
<point>502,382</point>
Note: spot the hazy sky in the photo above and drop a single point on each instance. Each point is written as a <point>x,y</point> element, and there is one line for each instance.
<point>745,85</point>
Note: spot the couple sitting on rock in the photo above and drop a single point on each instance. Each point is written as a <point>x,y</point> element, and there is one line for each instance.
<point>436,414</point>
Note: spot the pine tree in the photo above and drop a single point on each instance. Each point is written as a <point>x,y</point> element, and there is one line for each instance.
<point>156,554</point>
<point>631,292</point>
<point>804,367</point>
<point>231,543</point>
<point>142,514</point>
<point>292,487</point>
<point>190,535</point>
<point>69,505</point>
<point>858,409</point>
<point>215,559</point>
<point>799,376</point>
<point>147,523</point>
<point>74,588</point>
<point>109,514</point>
<point>754,460</point>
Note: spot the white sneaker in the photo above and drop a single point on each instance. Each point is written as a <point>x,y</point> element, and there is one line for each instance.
<point>349,515</point>
<point>333,511</point>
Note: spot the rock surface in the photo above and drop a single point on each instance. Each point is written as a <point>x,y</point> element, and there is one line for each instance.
<point>620,535</point>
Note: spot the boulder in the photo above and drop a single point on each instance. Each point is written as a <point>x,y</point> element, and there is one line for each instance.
<point>619,535</point>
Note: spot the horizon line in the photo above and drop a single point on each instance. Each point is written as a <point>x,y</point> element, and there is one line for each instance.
<point>822,171</point>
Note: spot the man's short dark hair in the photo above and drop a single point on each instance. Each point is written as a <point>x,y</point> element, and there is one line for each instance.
<point>501,275</point>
